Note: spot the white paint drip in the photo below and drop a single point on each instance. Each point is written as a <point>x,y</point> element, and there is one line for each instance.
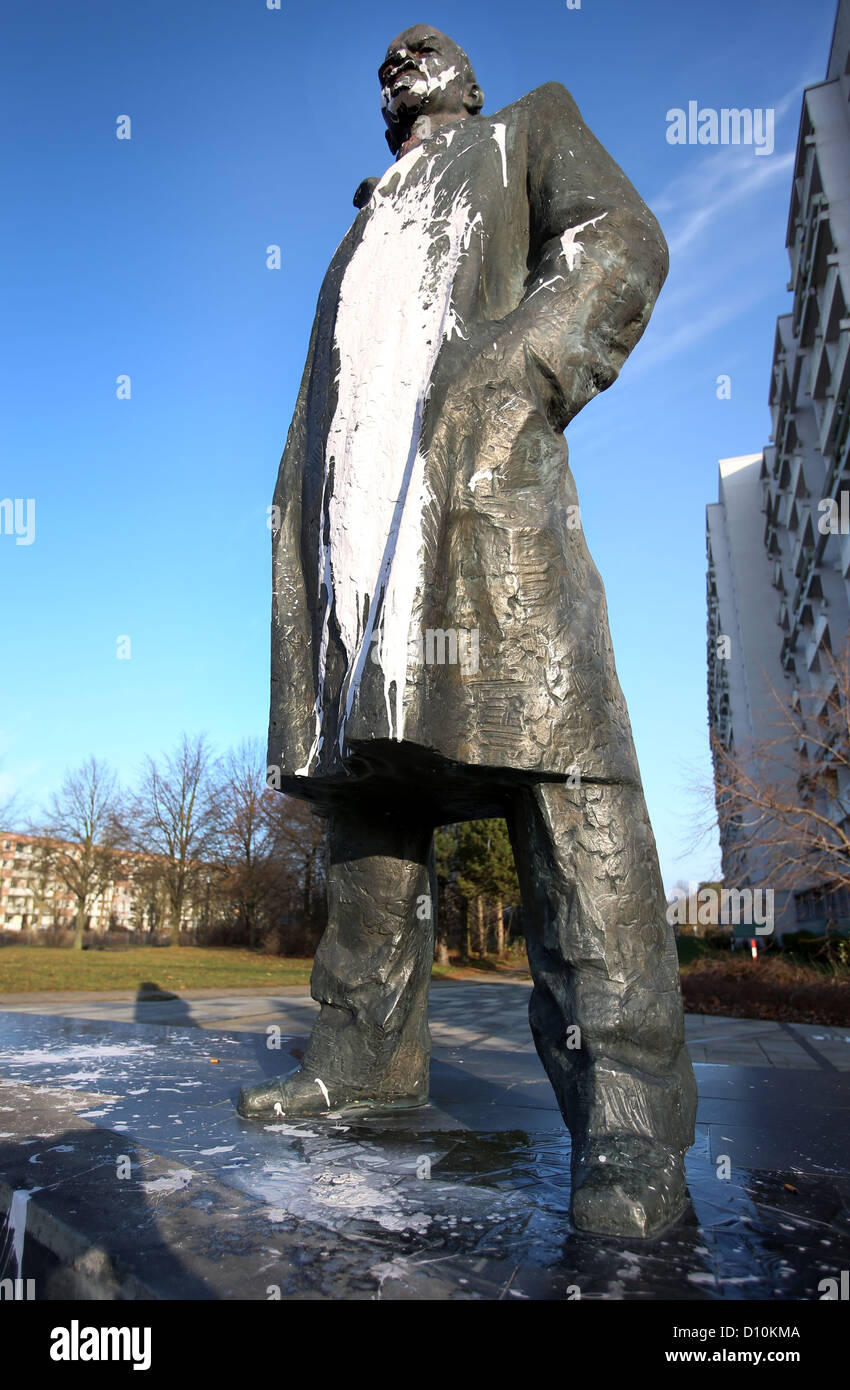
<point>394,313</point>
<point>324,1090</point>
<point>499,137</point>
<point>18,1225</point>
<point>545,286</point>
<point>572,249</point>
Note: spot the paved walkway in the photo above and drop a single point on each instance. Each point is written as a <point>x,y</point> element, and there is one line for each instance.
<point>126,1172</point>
<point>486,1015</point>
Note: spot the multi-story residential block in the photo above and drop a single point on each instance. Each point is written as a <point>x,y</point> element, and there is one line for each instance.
<point>33,896</point>
<point>746,680</point>
<point>779,562</point>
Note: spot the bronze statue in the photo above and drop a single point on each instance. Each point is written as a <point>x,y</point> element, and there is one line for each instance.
<point>440,642</point>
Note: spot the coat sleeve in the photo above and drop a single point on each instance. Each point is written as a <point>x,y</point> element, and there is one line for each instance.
<point>598,260</point>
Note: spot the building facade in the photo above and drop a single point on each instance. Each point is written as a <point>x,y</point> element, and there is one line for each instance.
<point>33,896</point>
<point>778,539</point>
<point>746,679</point>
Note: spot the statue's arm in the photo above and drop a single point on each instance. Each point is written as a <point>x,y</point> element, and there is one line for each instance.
<point>599,260</point>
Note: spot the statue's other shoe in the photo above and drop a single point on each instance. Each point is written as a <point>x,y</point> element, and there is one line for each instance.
<point>626,1185</point>
<point>299,1094</point>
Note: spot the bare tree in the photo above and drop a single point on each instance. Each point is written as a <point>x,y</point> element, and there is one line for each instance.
<point>174,817</point>
<point>150,892</point>
<point>785,800</point>
<point>86,827</point>
<point>42,880</point>
<point>247,835</point>
<point>297,844</point>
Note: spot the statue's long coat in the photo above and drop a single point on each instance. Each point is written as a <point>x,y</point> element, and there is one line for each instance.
<point>495,280</point>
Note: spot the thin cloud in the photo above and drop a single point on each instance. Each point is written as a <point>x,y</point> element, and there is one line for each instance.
<point>727,178</point>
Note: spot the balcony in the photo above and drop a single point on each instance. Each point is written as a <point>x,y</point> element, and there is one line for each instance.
<point>819,369</point>
<point>819,638</point>
<point>811,269</point>
<point>833,303</point>
<point>797,556</point>
<point>833,416</point>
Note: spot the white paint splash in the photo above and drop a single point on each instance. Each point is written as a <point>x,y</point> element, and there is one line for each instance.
<point>423,86</point>
<point>174,1182</point>
<point>394,313</point>
<point>332,1197</point>
<point>324,1090</point>
<point>573,249</point>
<point>36,1057</point>
<point>297,1131</point>
<point>483,475</point>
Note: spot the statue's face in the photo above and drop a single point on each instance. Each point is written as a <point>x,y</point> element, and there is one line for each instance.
<point>423,74</point>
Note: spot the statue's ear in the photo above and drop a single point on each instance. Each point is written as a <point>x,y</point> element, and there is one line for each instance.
<point>473,98</point>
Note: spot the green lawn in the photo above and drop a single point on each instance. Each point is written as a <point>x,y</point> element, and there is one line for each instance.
<point>25,968</point>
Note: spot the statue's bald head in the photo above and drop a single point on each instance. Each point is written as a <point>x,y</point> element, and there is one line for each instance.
<point>425,74</point>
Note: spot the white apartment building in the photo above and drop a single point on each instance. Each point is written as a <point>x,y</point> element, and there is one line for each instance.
<point>779,536</point>
<point>33,896</point>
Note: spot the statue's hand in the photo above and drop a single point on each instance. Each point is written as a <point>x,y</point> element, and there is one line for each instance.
<point>487,354</point>
<point>483,403</point>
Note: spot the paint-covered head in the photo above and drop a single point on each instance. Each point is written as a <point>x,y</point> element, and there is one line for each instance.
<point>425,74</point>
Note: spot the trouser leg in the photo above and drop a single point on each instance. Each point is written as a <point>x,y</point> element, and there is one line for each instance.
<point>372,969</point>
<point>606,1010</point>
<point>371,973</point>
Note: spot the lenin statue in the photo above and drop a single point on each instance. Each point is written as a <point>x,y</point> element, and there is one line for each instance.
<point>440,642</point>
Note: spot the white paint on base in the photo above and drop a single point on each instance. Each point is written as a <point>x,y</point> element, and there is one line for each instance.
<point>174,1182</point>
<point>36,1057</point>
<point>298,1131</point>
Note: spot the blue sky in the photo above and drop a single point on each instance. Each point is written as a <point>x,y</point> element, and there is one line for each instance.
<point>147,257</point>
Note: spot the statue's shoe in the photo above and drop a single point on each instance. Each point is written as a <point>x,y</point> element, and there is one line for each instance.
<point>298,1094</point>
<point>626,1185</point>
